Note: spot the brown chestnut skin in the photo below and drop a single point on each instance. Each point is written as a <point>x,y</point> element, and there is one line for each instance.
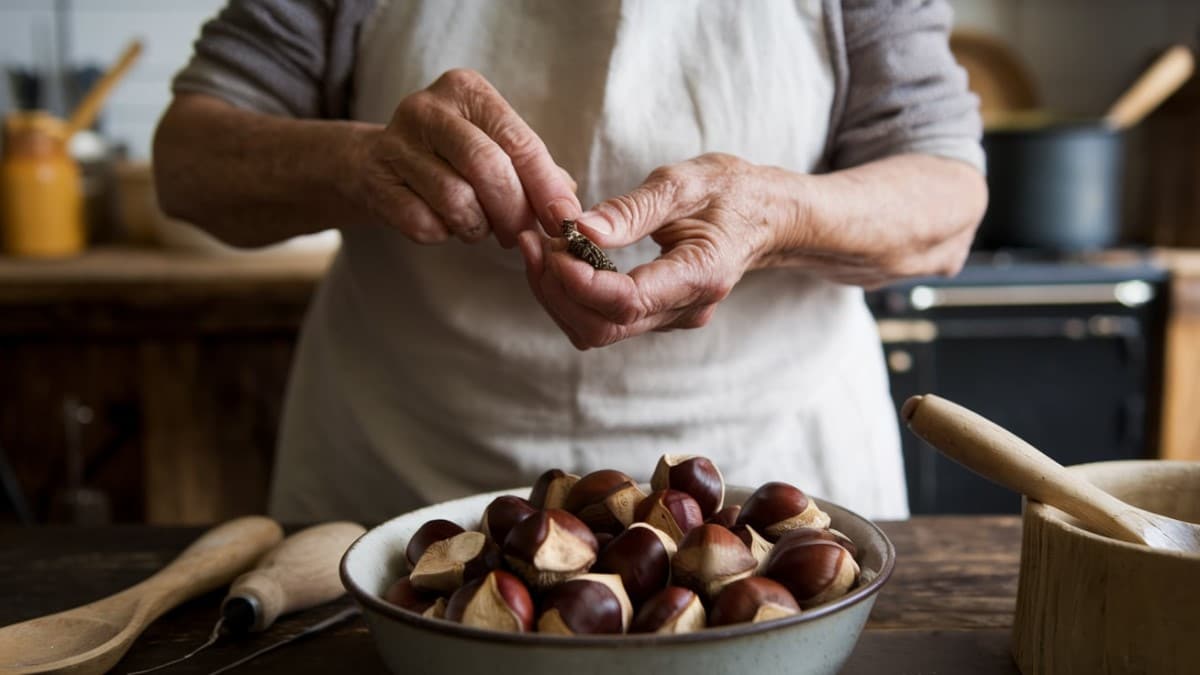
<point>551,488</point>
<point>814,571</point>
<point>426,534</point>
<point>549,547</point>
<point>641,556</point>
<point>502,514</point>
<point>587,604</point>
<point>402,594</point>
<point>709,557</point>
<point>498,601</point>
<point>752,600</point>
<point>726,517</point>
<point>697,476</point>
<point>775,508</point>
<point>672,511</point>
<point>808,533</point>
<point>450,563</point>
<point>605,500</point>
<point>673,610</point>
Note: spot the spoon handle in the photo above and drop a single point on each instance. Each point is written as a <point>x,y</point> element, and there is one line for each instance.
<point>997,454</point>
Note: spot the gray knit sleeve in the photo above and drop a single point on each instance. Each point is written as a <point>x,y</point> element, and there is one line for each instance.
<point>902,91</point>
<point>284,57</point>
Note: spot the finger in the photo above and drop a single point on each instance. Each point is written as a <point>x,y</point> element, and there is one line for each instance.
<point>446,192</point>
<point>533,253</point>
<point>549,192</point>
<point>586,327</point>
<point>668,194</point>
<point>481,161</point>
<point>407,212</point>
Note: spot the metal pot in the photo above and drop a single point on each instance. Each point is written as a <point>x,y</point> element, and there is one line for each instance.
<point>1054,187</point>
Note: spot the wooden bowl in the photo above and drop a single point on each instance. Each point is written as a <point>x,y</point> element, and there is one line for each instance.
<point>1089,604</point>
<point>815,642</point>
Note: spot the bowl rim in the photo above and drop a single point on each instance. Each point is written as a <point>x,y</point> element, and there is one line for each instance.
<point>373,603</point>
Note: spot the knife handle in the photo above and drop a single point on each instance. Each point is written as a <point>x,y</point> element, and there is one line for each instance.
<point>298,573</point>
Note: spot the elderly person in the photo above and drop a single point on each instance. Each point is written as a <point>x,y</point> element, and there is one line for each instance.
<point>749,167</point>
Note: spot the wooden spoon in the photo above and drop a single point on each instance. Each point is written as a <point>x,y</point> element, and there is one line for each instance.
<point>92,638</point>
<point>997,454</point>
<point>89,107</point>
<point>1164,77</point>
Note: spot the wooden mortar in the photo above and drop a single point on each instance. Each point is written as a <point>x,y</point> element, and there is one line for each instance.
<point>1087,604</point>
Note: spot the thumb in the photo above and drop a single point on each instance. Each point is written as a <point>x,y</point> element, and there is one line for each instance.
<point>633,216</point>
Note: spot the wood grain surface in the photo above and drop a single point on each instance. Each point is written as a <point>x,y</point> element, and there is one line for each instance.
<point>947,609</point>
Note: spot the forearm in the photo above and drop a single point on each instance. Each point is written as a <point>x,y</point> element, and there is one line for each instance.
<point>903,216</point>
<point>252,179</point>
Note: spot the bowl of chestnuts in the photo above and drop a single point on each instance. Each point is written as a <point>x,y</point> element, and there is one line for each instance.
<point>600,573</point>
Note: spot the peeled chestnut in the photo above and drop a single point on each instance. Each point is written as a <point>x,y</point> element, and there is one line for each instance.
<point>697,476</point>
<point>605,500</point>
<point>641,556</point>
<point>590,603</point>
<point>450,563</point>
<point>671,511</point>
<point>814,571</point>
<point>426,534</point>
<point>402,594</point>
<point>551,488</point>
<point>498,601</point>
<point>752,600</point>
<point>500,516</point>
<point>709,557</point>
<point>673,610</point>
<point>759,547</point>
<point>775,508</point>
<point>548,547</point>
<point>808,533</point>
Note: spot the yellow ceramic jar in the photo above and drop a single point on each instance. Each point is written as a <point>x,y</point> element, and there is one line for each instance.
<point>41,206</point>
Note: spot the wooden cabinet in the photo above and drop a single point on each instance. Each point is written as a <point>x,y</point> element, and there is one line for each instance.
<point>182,360</point>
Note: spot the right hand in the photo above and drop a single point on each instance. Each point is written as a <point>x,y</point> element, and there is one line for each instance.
<point>456,160</point>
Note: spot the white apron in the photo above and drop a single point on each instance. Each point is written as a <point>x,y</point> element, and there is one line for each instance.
<point>428,373</point>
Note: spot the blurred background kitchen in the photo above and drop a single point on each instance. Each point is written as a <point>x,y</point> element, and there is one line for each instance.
<point>142,364</point>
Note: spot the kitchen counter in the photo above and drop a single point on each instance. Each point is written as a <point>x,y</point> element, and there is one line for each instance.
<point>948,607</point>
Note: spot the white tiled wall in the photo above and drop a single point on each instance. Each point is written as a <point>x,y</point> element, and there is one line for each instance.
<point>1082,52</point>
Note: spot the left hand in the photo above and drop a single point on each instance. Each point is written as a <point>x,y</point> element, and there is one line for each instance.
<point>712,218</point>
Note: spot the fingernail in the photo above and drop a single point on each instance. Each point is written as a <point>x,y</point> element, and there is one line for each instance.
<point>595,222</point>
<point>562,209</point>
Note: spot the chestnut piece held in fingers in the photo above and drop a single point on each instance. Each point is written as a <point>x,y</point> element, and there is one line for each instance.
<point>605,500</point>
<point>549,547</point>
<point>752,600</point>
<point>551,488</point>
<point>814,571</point>
<point>426,534</point>
<point>709,557</point>
<point>672,611</point>
<point>775,508</point>
<point>672,511</point>
<point>502,514</point>
<point>450,563</point>
<point>590,603</point>
<point>498,601</point>
<point>641,556</point>
<point>692,474</point>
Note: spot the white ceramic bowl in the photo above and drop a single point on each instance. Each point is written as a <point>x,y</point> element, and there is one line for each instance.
<point>816,641</point>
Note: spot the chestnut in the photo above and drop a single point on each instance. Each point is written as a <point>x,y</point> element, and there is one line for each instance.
<point>692,474</point>
<point>590,603</point>
<point>551,488</point>
<point>759,547</point>
<point>727,516</point>
<point>672,511</point>
<point>709,557</point>
<point>775,508</point>
<point>498,601</point>
<point>426,534</point>
<point>641,556</point>
<point>808,533</point>
<point>548,547</point>
<point>437,610</point>
<point>673,610</point>
<point>815,571</point>
<point>402,594</point>
<point>605,500</point>
<point>449,563</point>
<point>500,516</point>
<point>752,600</point>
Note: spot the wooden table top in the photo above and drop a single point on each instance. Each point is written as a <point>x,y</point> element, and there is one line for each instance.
<point>948,607</point>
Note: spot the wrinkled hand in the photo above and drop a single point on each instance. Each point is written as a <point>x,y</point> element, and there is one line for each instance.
<point>710,217</point>
<point>456,160</point>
